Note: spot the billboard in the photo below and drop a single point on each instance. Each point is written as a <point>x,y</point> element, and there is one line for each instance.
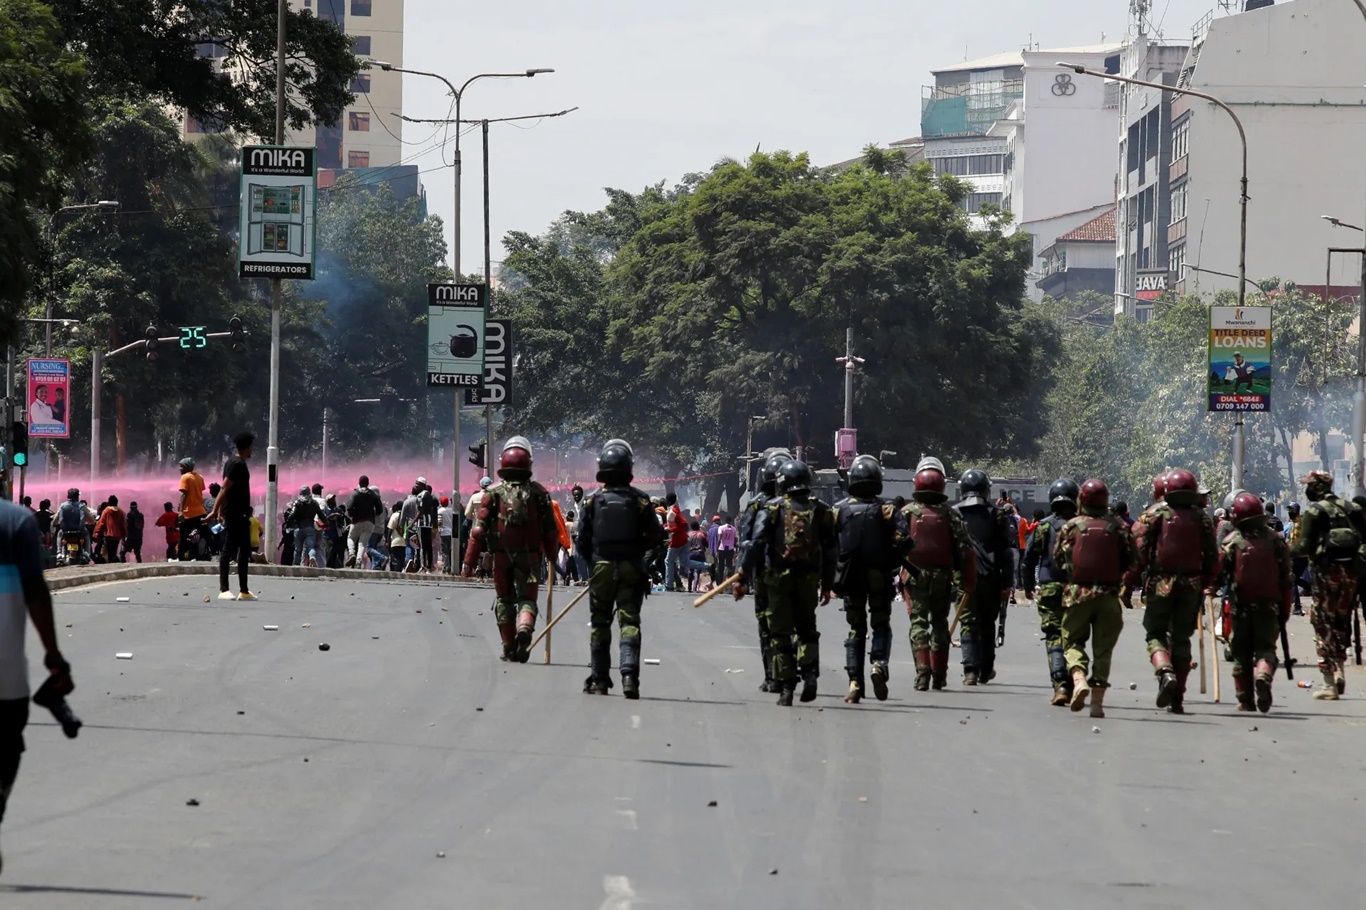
<point>1239,373</point>
<point>277,202</point>
<point>49,404</point>
<point>1151,284</point>
<point>455,335</point>
<point>497,387</point>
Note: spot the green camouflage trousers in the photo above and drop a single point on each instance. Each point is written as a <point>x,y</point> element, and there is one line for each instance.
<point>516,581</point>
<point>1256,630</point>
<point>1101,619</point>
<point>618,586</point>
<point>1170,621</point>
<point>1049,602</point>
<point>1335,596</point>
<point>792,598</point>
<point>931,600</point>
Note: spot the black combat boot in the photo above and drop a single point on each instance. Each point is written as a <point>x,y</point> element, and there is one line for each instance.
<point>882,652</point>
<point>630,667</point>
<point>766,651</point>
<point>853,663</point>
<point>599,681</point>
<point>785,691</point>
<point>969,646</point>
<point>1057,671</point>
<point>809,683</point>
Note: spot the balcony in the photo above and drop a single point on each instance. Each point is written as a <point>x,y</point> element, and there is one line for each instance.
<point>968,109</point>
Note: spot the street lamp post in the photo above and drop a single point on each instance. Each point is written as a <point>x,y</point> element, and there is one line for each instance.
<point>459,94</point>
<point>1239,440</point>
<point>1359,396</point>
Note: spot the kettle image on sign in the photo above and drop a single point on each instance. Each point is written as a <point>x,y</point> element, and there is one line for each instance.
<point>465,342</point>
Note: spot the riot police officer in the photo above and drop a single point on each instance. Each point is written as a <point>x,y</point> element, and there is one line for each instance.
<point>872,536</point>
<point>793,544</point>
<point>744,530</point>
<point>1041,575</point>
<point>619,528</point>
<point>991,534</point>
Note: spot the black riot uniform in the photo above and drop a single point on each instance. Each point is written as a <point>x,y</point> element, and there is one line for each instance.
<point>872,537</point>
<point>744,532</point>
<point>991,537</point>
<point>618,530</point>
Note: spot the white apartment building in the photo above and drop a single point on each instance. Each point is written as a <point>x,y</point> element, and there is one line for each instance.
<point>369,132</point>
<point>1293,73</point>
<point>1145,160</point>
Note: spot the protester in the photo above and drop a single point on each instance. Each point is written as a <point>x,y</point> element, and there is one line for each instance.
<point>22,591</point>
<point>675,559</point>
<point>132,541</point>
<point>580,565</point>
<point>256,531</point>
<point>445,517</point>
<point>698,551</point>
<point>363,507</point>
<point>192,509</point>
<point>427,521</point>
<point>169,520</point>
<point>398,540</point>
<point>725,549</point>
<point>111,529</point>
<point>302,516</point>
<point>232,506</point>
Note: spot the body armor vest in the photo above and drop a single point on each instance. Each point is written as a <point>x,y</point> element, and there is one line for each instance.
<point>617,533</point>
<point>1180,546</point>
<point>1095,554</point>
<point>1257,572</point>
<point>1047,571</point>
<point>864,538</point>
<point>933,538</point>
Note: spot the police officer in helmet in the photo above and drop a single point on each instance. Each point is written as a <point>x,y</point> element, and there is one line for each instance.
<point>872,537</point>
<point>619,528</point>
<point>991,532</point>
<point>774,459</point>
<point>1042,578</point>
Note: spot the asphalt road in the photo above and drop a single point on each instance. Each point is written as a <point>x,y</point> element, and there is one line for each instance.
<point>338,779</point>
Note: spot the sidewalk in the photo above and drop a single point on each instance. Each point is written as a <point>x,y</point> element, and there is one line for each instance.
<point>78,576</point>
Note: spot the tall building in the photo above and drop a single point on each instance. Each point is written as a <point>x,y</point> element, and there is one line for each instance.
<point>1145,214</point>
<point>369,132</point>
<point>1292,73</point>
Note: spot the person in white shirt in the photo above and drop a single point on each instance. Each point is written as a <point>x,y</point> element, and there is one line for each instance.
<point>445,517</point>
<point>39,411</point>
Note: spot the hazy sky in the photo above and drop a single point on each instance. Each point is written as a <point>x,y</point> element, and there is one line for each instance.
<point>666,87</point>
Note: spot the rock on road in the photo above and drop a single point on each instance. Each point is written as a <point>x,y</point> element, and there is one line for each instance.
<point>337,779</point>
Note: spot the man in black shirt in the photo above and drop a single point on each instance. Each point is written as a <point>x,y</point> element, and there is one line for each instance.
<point>233,508</point>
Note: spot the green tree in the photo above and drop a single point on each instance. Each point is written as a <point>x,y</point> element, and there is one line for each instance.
<point>43,135</point>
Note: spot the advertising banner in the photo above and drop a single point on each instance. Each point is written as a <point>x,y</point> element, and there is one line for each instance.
<point>455,335</point>
<point>49,407</point>
<point>1239,358</point>
<point>278,198</point>
<point>497,387</point>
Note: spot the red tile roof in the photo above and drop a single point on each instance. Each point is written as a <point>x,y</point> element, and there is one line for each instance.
<point>1100,229</point>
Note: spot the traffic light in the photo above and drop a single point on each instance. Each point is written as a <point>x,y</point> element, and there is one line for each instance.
<point>239,337</point>
<point>151,342</point>
<point>19,442</point>
<point>477,454</point>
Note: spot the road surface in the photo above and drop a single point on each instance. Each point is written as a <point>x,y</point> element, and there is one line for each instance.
<point>406,767</point>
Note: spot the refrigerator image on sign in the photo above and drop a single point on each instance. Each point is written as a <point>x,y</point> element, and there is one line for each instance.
<point>276,221</point>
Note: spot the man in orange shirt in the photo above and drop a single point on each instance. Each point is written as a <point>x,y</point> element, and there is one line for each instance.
<point>566,543</point>
<point>192,509</point>
<point>1026,527</point>
<point>111,528</point>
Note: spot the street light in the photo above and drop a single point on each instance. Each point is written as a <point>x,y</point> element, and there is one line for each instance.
<point>459,94</point>
<point>1359,396</point>
<point>1239,440</point>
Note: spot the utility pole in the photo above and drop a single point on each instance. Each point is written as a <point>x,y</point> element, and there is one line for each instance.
<point>488,292</point>
<point>273,436</point>
<point>846,440</point>
<point>326,412</point>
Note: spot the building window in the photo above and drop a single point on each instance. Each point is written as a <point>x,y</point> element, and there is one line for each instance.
<point>330,146</point>
<point>1178,203</point>
<point>973,202</point>
<point>358,122</point>
<point>361,84</point>
<point>360,44</point>
<point>1181,140</point>
<point>357,159</point>
<point>308,4</point>
<point>970,165</point>
<point>1176,262</point>
<point>360,7</point>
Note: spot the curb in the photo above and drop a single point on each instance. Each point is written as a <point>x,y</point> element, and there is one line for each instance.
<point>97,575</point>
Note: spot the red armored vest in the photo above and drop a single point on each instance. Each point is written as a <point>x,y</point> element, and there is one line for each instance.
<point>1095,554</point>
<point>1180,549</point>
<point>933,538</point>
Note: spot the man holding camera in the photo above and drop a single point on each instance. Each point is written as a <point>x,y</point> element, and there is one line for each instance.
<point>22,593</point>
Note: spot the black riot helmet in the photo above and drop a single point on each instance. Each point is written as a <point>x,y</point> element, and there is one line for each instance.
<point>974,487</point>
<point>865,476</point>
<point>1063,489</point>
<point>768,476</point>
<point>616,462</point>
<point>794,477</point>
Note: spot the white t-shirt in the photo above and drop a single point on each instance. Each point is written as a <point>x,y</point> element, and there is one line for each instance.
<point>472,510</point>
<point>446,515</point>
<point>20,558</point>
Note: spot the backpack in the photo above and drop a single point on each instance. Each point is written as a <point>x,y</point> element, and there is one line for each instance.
<point>1342,543</point>
<point>1257,571</point>
<point>70,518</point>
<point>798,521</point>
<point>933,536</point>
<point>1095,554</point>
<point>291,516</point>
<point>1179,548</point>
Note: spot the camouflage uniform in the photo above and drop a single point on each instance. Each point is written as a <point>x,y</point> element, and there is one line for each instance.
<point>517,525</point>
<point>1256,623</point>
<point>872,542</point>
<point>1091,611</point>
<point>617,579</point>
<point>1047,596</point>
<point>1334,588</point>
<point>935,590</point>
<point>744,531</point>
<point>993,533</point>
<point>794,586</point>
<point>1175,602</point>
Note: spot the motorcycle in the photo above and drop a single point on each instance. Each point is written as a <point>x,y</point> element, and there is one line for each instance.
<point>72,552</point>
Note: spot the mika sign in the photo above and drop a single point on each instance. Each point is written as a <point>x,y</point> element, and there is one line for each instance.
<point>278,223</point>
<point>1239,373</point>
<point>455,335</point>
<point>497,387</point>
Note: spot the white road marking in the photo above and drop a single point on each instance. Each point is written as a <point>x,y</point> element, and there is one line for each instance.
<point>620,894</point>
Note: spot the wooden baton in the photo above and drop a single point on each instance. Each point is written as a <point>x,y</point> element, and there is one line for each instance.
<point>718,589</point>
<point>550,625</point>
